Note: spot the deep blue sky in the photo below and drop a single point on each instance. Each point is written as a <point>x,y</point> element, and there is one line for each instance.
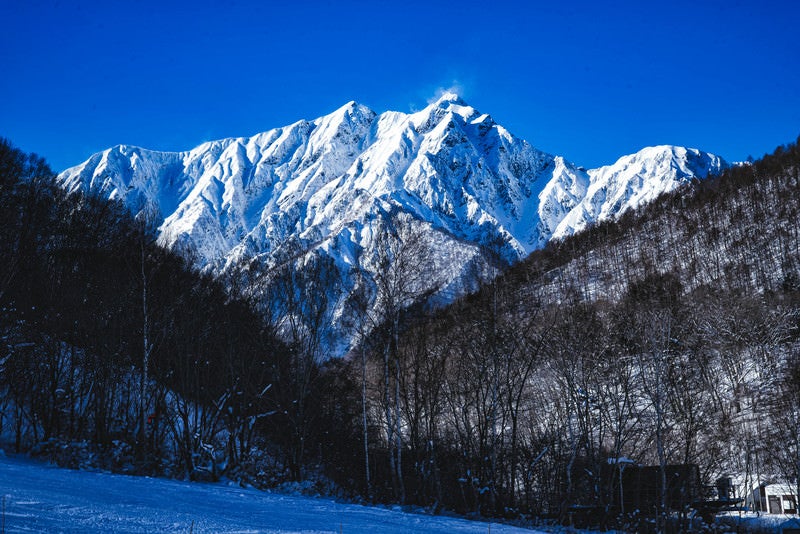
<point>587,80</point>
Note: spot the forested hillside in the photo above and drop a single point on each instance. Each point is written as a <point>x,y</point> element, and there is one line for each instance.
<point>669,337</point>
<point>115,353</point>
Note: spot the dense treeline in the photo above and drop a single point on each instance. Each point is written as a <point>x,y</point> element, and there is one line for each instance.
<point>668,337</point>
<point>116,352</point>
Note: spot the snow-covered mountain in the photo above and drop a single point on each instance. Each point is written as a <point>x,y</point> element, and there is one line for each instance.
<point>635,180</point>
<point>330,187</point>
<point>447,165</point>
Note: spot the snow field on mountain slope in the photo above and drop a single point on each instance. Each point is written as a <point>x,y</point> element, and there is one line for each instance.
<point>40,498</point>
<point>448,164</point>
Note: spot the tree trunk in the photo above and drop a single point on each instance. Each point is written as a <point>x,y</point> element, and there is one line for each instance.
<point>364,417</point>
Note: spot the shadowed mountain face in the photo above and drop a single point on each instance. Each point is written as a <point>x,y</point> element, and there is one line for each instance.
<point>472,195</point>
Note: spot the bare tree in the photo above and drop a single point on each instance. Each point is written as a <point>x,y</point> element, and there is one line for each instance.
<point>358,310</point>
<point>401,269</point>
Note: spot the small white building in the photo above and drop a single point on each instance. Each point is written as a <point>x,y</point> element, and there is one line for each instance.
<point>773,499</point>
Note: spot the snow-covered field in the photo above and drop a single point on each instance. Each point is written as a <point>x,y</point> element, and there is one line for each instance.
<point>40,498</point>
<point>740,522</point>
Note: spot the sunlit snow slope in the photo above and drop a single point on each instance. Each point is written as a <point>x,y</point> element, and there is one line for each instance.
<point>38,498</point>
<point>635,180</point>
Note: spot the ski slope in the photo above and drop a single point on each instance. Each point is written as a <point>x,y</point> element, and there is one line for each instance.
<point>41,498</point>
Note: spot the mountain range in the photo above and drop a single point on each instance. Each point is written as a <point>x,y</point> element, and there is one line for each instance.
<point>329,188</point>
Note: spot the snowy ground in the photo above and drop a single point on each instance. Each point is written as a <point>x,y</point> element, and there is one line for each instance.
<point>762,522</point>
<point>40,498</point>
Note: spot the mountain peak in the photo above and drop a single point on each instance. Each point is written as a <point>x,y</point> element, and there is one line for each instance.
<point>351,109</point>
<point>691,161</point>
<point>448,104</point>
<point>447,98</point>
<point>663,150</point>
